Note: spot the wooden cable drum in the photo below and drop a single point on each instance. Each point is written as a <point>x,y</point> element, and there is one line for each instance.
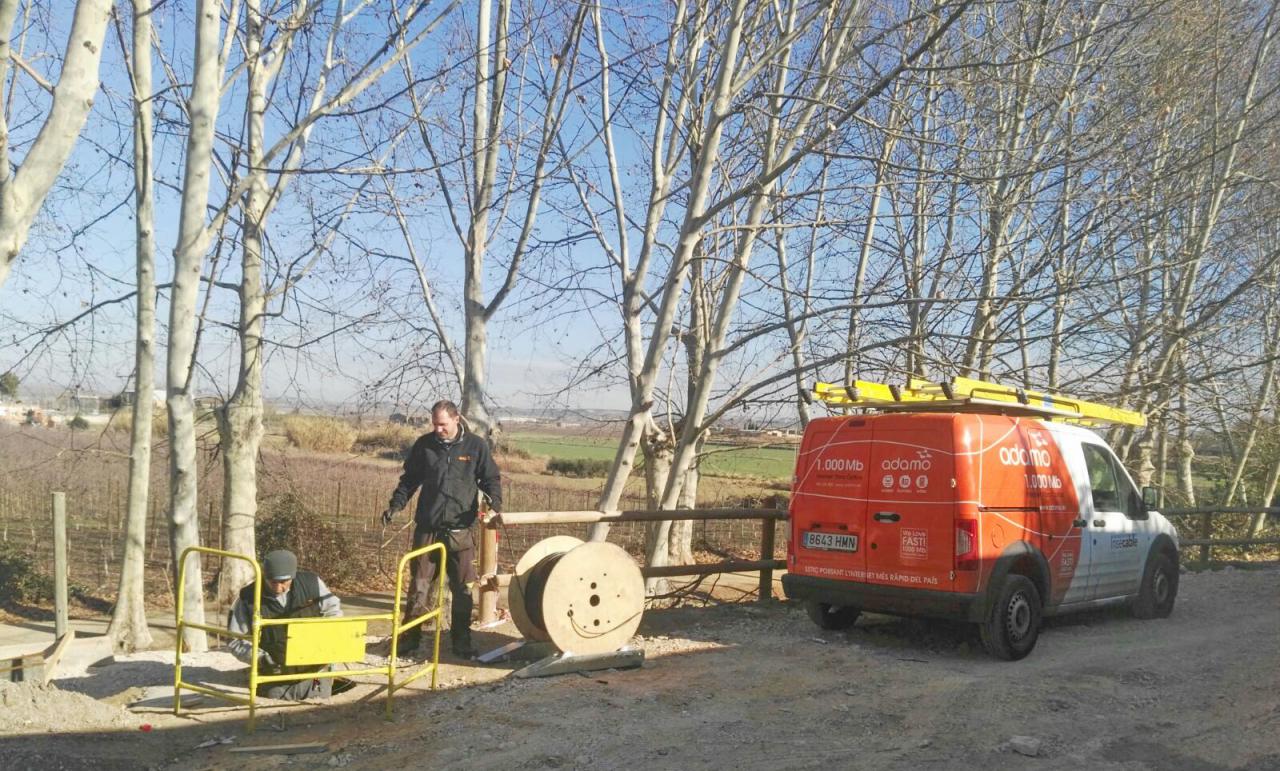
<point>586,600</point>
<point>556,544</point>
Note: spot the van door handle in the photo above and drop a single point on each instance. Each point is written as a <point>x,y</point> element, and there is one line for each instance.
<point>1099,523</point>
<point>1079,523</point>
<point>887,516</point>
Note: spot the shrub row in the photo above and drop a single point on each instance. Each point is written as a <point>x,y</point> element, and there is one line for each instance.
<point>20,580</point>
<point>388,439</point>
<point>579,467</point>
<point>319,434</point>
<point>285,522</point>
<point>122,421</point>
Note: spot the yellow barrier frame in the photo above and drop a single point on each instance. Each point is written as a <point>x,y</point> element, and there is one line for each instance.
<point>255,633</point>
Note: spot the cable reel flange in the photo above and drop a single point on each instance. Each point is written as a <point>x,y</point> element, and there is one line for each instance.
<point>556,544</point>
<point>593,599</point>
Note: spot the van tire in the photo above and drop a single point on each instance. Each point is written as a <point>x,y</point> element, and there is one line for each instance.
<point>834,617</point>
<point>1159,588</point>
<point>1013,624</point>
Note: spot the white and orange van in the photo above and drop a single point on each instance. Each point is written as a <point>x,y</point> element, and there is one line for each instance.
<point>971,501</point>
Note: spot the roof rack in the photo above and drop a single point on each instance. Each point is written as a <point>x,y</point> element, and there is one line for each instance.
<point>964,394</point>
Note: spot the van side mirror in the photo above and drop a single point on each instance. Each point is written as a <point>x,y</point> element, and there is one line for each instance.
<point>1151,497</point>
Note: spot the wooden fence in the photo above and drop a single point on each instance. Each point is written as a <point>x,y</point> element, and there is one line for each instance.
<point>1205,539</point>
<point>491,581</point>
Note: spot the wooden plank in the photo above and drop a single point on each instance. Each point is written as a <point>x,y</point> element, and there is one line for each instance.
<point>728,566</point>
<point>767,534</point>
<point>35,665</point>
<point>519,650</point>
<point>307,748</point>
<point>1274,510</point>
<point>488,566</point>
<point>1227,541</point>
<point>637,515</point>
<point>60,607</point>
<point>667,571</point>
<point>22,668</point>
<point>561,664</point>
<point>51,662</point>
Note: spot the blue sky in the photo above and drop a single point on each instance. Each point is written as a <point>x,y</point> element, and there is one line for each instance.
<point>69,265</point>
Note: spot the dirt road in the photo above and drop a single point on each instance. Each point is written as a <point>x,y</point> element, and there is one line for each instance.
<point>752,687</point>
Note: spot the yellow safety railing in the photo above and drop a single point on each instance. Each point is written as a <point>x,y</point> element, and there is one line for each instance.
<point>255,633</point>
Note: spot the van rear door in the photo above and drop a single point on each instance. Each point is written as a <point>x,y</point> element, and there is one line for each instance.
<point>829,499</point>
<point>911,513</point>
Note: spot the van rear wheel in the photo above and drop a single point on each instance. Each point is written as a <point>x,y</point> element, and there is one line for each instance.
<point>1159,588</point>
<point>828,616</point>
<point>1013,625</point>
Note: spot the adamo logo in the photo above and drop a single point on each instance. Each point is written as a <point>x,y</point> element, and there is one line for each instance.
<point>922,462</point>
<point>1021,456</point>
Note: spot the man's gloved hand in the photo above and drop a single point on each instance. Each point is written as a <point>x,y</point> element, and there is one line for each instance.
<point>387,516</point>
<point>264,659</point>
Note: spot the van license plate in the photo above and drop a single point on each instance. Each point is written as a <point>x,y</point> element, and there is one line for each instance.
<point>830,541</point>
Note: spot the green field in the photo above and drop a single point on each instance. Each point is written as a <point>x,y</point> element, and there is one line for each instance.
<point>763,462</point>
<point>718,459</point>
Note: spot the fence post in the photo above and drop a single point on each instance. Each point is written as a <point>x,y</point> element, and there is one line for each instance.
<point>1206,532</point>
<point>767,528</point>
<point>488,571</point>
<point>59,564</point>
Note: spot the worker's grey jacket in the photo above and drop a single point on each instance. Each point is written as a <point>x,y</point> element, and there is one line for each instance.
<point>449,473</point>
<point>240,619</point>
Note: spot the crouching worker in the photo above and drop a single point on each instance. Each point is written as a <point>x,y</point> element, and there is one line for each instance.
<point>286,593</point>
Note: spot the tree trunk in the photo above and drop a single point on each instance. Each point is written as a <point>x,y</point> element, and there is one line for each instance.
<point>1186,481</point>
<point>193,242</point>
<point>689,238</point>
<point>1259,522</point>
<point>128,629</point>
<point>1255,420</point>
<point>681,540</point>
<point>240,419</point>
<point>486,119</point>
<point>854,334</point>
<point>633,300</point>
<point>23,192</point>
<point>658,447</point>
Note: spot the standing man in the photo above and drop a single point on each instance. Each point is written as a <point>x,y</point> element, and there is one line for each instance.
<point>451,465</point>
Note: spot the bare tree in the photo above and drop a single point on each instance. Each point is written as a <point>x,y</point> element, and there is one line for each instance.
<point>23,191</point>
<point>799,119</point>
<point>193,242</point>
<point>505,161</point>
<point>128,628</point>
<point>240,420</point>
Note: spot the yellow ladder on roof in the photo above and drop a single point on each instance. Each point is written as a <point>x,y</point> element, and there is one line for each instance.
<point>972,395</point>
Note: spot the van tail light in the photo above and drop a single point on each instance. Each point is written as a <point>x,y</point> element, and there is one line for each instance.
<point>966,544</point>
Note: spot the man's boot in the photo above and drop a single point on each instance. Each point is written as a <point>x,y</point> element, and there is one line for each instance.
<point>461,640</point>
<point>408,641</point>
<point>460,624</point>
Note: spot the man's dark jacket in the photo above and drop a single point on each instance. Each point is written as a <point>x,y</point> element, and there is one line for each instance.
<point>303,601</point>
<point>449,474</point>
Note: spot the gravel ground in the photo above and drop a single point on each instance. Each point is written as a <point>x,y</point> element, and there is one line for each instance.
<point>746,686</point>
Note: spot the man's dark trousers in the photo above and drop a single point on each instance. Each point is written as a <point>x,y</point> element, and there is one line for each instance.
<point>460,572</point>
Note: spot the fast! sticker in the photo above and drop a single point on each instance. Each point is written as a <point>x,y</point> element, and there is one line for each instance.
<point>914,543</point>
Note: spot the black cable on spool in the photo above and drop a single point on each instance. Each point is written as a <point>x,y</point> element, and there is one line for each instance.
<point>534,584</point>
